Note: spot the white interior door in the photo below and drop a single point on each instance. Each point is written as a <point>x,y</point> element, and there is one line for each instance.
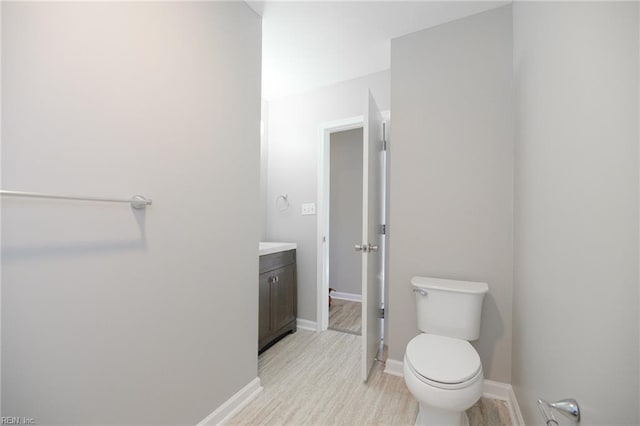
<point>372,206</point>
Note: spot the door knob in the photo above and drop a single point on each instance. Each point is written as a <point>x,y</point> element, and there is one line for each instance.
<point>362,247</point>
<point>373,247</point>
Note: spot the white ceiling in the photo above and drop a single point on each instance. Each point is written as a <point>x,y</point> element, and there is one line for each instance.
<point>310,44</point>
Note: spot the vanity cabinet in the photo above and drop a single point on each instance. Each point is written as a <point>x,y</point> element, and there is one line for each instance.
<point>277,297</point>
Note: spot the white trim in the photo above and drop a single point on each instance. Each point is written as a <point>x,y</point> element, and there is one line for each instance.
<point>347,296</point>
<point>234,404</point>
<point>304,324</point>
<point>514,408</point>
<point>322,236</point>
<point>638,94</point>
<point>0,212</point>
<point>394,367</point>
<point>496,390</point>
<point>504,392</point>
<point>490,389</point>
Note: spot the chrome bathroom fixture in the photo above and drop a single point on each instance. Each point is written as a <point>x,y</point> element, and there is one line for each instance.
<point>137,201</point>
<point>567,407</point>
<point>420,291</point>
<point>366,248</point>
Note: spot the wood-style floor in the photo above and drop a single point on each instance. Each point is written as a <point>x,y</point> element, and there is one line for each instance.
<point>489,412</point>
<point>345,315</point>
<point>313,378</point>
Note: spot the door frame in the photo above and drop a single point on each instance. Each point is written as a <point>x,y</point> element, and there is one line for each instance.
<point>322,237</point>
<point>323,212</point>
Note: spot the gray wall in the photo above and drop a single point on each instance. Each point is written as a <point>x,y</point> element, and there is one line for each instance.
<point>345,216</point>
<point>576,289</point>
<point>109,315</point>
<point>451,173</point>
<point>294,139</point>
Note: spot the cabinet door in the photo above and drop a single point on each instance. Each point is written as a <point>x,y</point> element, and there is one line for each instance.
<point>264,295</point>
<point>283,297</point>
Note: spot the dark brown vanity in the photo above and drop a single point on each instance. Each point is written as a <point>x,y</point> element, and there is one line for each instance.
<point>277,300</point>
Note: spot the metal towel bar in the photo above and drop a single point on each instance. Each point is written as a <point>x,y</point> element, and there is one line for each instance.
<point>137,201</point>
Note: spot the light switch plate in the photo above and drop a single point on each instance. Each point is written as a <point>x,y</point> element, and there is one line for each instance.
<point>308,209</point>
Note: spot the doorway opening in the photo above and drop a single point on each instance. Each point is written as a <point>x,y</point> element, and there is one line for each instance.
<point>324,211</point>
<point>345,228</point>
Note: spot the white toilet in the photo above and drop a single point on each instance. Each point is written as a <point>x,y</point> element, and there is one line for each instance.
<point>441,368</point>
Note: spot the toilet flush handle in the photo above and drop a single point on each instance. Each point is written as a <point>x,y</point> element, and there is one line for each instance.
<point>420,291</point>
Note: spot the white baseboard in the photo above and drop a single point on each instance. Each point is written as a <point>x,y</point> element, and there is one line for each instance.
<point>504,392</point>
<point>304,324</point>
<point>393,367</point>
<point>234,404</point>
<point>496,390</point>
<point>347,296</point>
<point>490,389</point>
<point>514,408</point>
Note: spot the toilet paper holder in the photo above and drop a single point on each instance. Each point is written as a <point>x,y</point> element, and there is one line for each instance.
<point>567,407</point>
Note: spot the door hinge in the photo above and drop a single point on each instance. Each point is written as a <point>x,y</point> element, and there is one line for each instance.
<point>383,229</point>
<point>382,313</point>
<point>384,136</point>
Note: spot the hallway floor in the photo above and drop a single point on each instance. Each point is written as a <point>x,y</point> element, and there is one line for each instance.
<point>345,316</point>
<point>313,378</point>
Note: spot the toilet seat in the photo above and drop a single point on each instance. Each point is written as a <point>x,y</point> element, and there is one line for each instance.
<point>443,362</point>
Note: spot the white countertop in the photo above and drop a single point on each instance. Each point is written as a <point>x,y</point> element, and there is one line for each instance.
<point>269,248</point>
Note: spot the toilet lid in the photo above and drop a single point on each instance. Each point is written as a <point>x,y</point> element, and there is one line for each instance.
<point>443,359</point>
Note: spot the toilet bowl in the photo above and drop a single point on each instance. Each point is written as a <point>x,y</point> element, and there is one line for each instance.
<point>441,368</point>
<point>445,376</point>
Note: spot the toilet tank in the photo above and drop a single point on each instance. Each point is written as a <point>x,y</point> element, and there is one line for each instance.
<point>448,307</point>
